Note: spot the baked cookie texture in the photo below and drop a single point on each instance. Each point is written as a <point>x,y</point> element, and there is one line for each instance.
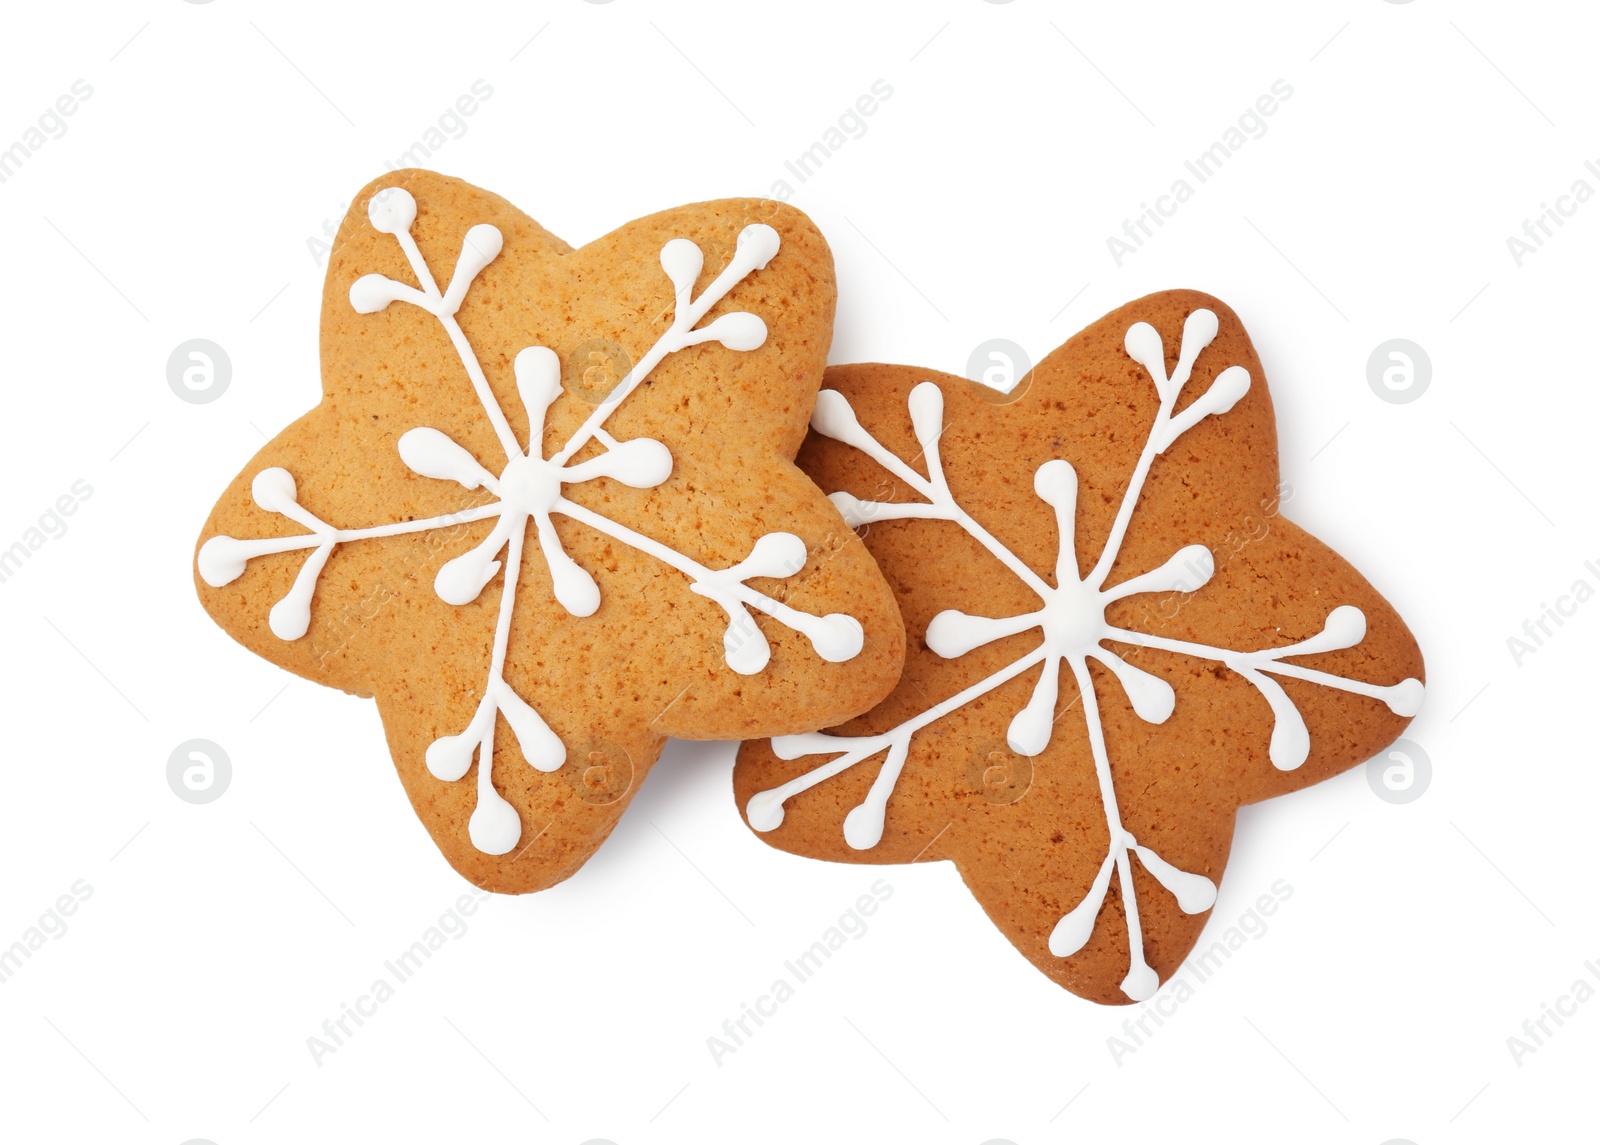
<point>1066,840</point>
<point>606,643</point>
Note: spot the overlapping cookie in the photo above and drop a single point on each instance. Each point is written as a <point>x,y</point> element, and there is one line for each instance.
<point>1116,640</point>
<point>547,513</point>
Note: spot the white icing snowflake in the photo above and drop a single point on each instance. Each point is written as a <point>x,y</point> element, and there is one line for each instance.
<point>1072,624</point>
<point>528,488</point>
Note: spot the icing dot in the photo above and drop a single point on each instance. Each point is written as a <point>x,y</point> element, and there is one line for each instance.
<point>1074,929</point>
<point>764,811</point>
<point>221,561</point>
<point>372,292</point>
<point>1290,745</point>
<point>1153,699</point>
<point>1070,935</point>
<point>1194,893</point>
<point>290,618</point>
<point>837,637</point>
<point>540,746</point>
<point>392,210</point>
<point>761,241</point>
<point>642,463</point>
<point>740,330</point>
<point>274,490</point>
<point>863,827</point>
<point>851,508</point>
<point>495,826</point>
<point>481,246</point>
<point>1143,345</point>
<point>1345,627</point>
<point>1142,982</point>
<point>1029,731</point>
<point>1195,566</point>
<point>531,485</point>
<point>432,454</point>
<point>682,260</point>
<point>574,589</point>
<point>744,645</point>
<point>953,633</point>
<point>1073,618</point>
<point>1405,698</point>
<point>926,404</point>
<point>461,580</point>
<point>774,555</point>
<point>834,418</point>
<point>1231,385</point>
<point>1056,483</point>
<point>538,372</point>
<point>449,757</point>
<point>1199,329</point>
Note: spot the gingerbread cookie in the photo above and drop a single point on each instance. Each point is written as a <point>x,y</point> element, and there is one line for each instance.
<point>547,514</point>
<point>1116,640</point>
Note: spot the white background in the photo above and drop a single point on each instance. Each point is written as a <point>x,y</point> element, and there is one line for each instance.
<point>220,137</point>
